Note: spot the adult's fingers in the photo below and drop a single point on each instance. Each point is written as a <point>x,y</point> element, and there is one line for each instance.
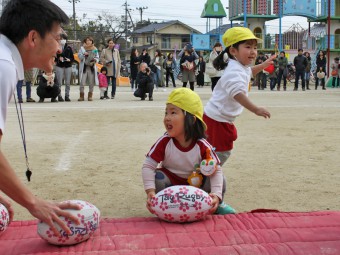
<point>69,216</point>
<point>69,205</point>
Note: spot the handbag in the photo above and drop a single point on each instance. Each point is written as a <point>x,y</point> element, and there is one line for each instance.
<point>138,93</point>
<point>210,70</point>
<point>153,68</point>
<point>334,73</point>
<point>285,72</point>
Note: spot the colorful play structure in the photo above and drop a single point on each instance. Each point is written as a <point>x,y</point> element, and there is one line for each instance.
<point>325,14</point>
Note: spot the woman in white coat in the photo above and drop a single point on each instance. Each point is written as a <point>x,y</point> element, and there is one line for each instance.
<point>88,55</point>
<point>217,75</point>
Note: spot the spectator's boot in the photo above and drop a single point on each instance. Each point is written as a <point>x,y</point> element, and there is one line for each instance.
<point>307,85</point>
<point>81,97</point>
<point>89,96</point>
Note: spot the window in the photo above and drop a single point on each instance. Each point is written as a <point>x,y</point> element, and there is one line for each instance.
<point>166,42</point>
<point>135,39</point>
<point>149,39</point>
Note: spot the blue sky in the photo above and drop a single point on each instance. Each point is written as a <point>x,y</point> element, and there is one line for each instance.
<point>187,12</point>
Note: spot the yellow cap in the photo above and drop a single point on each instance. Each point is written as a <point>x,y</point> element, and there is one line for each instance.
<point>237,34</point>
<point>189,101</point>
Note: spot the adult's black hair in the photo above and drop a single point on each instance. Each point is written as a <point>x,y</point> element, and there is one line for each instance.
<point>133,52</point>
<point>219,62</point>
<point>19,17</point>
<point>193,127</point>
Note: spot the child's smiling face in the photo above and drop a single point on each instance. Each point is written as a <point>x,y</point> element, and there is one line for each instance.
<point>246,52</point>
<point>174,122</point>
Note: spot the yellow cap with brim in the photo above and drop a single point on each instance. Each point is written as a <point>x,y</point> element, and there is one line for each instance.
<point>189,101</point>
<point>237,34</point>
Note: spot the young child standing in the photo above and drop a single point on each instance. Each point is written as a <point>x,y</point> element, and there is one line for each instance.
<point>103,84</point>
<point>178,153</point>
<point>230,94</point>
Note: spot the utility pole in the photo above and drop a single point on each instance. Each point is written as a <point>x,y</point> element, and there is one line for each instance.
<point>127,12</point>
<point>126,25</point>
<point>74,17</point>
<point>141,9</point>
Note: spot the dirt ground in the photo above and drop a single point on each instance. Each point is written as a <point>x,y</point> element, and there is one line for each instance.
<point>94,151</point>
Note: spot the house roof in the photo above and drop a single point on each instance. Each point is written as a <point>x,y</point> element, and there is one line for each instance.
<point>155,27</point>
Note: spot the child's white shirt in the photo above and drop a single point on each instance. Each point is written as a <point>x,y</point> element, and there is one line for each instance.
<point>222,106</point>
<point>179,161</point>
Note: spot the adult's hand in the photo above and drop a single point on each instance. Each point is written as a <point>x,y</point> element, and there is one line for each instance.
<point>50,212</point>
<point>9,207</point>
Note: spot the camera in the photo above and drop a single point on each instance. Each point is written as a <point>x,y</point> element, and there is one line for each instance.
<point>147,69</point>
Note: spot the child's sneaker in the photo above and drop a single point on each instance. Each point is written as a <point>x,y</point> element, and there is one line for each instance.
<point>223,208</point>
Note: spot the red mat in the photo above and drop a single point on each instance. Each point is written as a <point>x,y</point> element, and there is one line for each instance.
<point>311,233</point>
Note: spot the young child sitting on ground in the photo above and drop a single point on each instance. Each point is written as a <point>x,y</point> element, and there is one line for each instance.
<point>181,150</point>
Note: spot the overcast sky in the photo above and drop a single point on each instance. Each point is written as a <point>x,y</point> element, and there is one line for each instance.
<point>188,12</point>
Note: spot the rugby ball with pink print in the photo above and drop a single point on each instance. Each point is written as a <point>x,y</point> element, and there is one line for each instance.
<point>181,203</point>
<point>89,217</point>
<point>4,218</point>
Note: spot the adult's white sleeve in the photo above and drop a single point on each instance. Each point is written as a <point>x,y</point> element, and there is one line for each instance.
<point>8,80</point>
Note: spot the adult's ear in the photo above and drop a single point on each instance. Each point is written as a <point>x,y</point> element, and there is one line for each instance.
<point>32,38</point>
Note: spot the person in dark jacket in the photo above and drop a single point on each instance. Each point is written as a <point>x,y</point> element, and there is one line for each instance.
<point>48,87</point>
<point>144,80</point>
<point>63,68</point>
<point>134,63</point>
<point>261,77</point>
<point>320,63</point>
<point>309,65</point>
<point>145,57</point>
<point>300,63</point>
<point>169,65</point>
<point>282,74</point>
<point>201,71</point>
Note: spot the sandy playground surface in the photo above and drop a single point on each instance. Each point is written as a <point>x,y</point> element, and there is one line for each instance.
<point>94,151</point>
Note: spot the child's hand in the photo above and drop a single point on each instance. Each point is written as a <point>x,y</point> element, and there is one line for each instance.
<point>150,194</point>
<point>269,61</point>
<point>260,111</point>
<point>215,202</point>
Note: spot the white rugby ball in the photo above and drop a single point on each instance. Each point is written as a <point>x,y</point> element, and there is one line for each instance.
<point>181,203</point>
<point>89,221</point>
<point>4,218</point>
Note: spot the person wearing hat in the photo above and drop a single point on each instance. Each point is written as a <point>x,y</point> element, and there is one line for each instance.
<point>230,94</point>
<point>181,150</point>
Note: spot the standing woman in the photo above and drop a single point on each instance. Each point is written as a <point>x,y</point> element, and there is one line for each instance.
<point>283,71</point>
<point>88,55</point>
<point>321,61</point>
<point>170,66</point>
<point>188,66</point>
<point>63,68</point>
<point>201,71</point>
<point>307,73</point>
<point>134,63</point>
<point>158,62</point>
<point>111,59</point>
<point>215,52</point>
